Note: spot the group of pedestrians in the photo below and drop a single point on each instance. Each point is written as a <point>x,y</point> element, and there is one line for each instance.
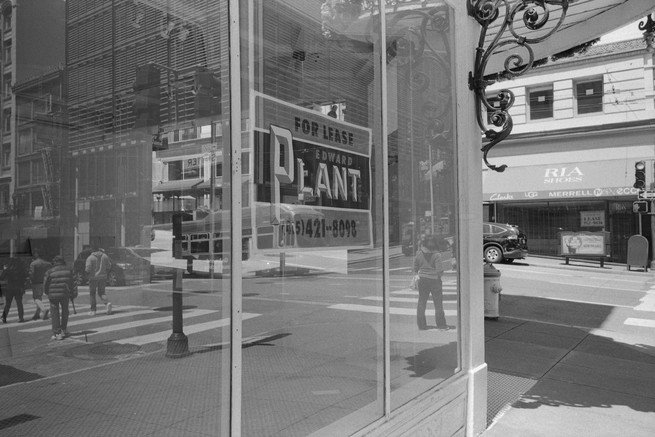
<point>56,281</point>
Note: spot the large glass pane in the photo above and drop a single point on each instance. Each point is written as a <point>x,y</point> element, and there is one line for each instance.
<point>313,226</point>
<point>115,176</point>
<point>423,197</point>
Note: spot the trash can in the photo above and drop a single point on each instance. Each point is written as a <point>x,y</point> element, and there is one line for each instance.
<point>492,291</point>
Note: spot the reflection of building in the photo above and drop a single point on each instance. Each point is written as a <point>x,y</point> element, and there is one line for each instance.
<point>39,136</point>
<point>580,124</point>
<point>32,47</point>
<point>111,150</point>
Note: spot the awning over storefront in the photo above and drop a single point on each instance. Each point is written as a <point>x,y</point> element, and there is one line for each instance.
<point>175,187</point>
<point>575,180</point>
<point>584,21</point>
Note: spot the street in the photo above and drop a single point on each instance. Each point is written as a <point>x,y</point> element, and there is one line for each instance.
<point>302,334</point>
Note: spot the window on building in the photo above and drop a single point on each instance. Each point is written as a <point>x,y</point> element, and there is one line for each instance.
<point>24,141</point>
<point>7,53</point>
<point>6,156</point>
<point>4,198</point>
<point>589,96</point>
<point>24,173</point>
<point>540,103</point>
<point>6,121</point>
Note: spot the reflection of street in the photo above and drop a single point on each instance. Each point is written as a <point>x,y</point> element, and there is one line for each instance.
<point>301,336</point>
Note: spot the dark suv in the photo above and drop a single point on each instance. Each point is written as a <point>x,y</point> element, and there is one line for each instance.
<point>503,242</point>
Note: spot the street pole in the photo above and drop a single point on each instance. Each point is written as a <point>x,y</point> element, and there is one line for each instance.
<point>431,189</point>
<point>177,345</point>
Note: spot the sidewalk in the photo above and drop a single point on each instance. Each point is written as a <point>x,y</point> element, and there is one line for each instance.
<point>549,379</point>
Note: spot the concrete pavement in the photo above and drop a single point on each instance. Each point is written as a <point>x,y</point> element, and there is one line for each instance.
<point>545,379</point>
<point>550,379</point>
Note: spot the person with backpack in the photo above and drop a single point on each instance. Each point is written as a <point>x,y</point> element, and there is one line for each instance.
<point>98,265</point>
<point>37,270</point>
<point>15,274</point>
<point>429,268</point>
<point>58,286</point>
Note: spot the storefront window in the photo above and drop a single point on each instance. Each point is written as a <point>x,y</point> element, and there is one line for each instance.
<point>259,224</point>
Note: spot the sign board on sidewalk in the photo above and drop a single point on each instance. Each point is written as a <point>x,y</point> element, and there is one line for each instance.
<point>593,244</point>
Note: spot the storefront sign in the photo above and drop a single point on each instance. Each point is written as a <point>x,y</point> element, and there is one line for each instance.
<point>581,180</point>
<point>303,157</point>
<point>593,219</point>
<point>583,243</point>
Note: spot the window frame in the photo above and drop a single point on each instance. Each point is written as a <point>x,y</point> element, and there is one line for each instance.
<point>576,95</point>
<point>529,105</point>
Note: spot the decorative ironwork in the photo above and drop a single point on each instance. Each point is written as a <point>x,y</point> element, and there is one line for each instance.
<point>535,14</point>
<point>648,27</point>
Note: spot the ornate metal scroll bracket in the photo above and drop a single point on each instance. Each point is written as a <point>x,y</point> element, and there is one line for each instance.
<point>648,28</point>
<point>535,15</point>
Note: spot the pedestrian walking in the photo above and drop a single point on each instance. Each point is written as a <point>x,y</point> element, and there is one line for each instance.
<point>97,268</point>
<point>15,274</point>
<point>37,270</point>
<point>429,268</point>
<point>58,285</point>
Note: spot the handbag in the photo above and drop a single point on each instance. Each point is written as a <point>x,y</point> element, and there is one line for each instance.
<point>414,282</point>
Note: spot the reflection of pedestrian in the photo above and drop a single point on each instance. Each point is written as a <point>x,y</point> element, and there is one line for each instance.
<point>58,285</point>
<point>38,267</point>
<point>15,274</point>
<point>97,268</point>
<point>428,266</point>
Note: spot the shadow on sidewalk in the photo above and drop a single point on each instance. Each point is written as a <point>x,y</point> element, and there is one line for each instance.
<point>542,354</point>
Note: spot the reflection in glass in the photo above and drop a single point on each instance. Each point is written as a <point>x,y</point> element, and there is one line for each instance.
<point>110,134</point>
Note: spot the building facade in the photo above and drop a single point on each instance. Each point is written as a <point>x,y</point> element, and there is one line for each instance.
<point>39,26</point>
<point>261,161</point>
<point>580,125</point>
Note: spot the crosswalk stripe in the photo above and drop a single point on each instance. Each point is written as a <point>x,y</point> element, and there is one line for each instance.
<point>119,313</point>
<point>401,299</point>
<point>645,323</point>
<point>394,311</point>
<point>140,340</point>
<point>145,322</point>
<point>647,303</point>
<point>409,292</point>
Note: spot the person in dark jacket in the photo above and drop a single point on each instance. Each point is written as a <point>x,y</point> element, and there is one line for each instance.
<point>58,285</point>
<point>15,274</point>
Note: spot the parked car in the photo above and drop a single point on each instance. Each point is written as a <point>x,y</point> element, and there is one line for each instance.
<point>503,242</point>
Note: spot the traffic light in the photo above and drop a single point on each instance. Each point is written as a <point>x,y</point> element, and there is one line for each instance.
<point>147,101</point>
<point>207,93</point>
<point>640,207</point>
<point>640,175</point>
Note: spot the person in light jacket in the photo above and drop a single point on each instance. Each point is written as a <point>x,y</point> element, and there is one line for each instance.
<point>38,267</point>
<point>428,267</point>
<point>58,286</point>
<point>97,268</point>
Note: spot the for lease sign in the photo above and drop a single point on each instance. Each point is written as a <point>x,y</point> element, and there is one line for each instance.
<point>306,159</point>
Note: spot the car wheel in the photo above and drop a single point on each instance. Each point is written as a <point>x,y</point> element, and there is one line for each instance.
<point>113,279</point>
<point>493,254</point>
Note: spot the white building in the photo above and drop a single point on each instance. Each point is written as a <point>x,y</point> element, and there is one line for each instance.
<point>580,124</point>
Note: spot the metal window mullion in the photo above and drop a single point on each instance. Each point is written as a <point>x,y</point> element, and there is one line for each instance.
<point>235,216</point>
<point>386,338</point>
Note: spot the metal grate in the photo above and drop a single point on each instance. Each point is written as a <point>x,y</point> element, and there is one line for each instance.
<point>502,391</point>
<point>16,420</point>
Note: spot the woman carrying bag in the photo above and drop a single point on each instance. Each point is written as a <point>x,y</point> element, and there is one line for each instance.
<point>429,268</point>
